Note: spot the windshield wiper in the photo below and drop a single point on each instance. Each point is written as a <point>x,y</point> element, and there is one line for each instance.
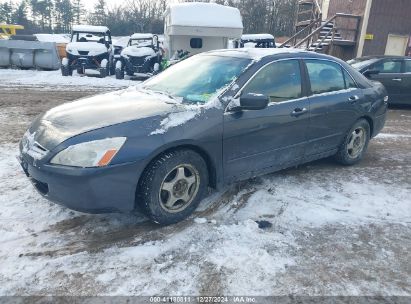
<point>164,93</point>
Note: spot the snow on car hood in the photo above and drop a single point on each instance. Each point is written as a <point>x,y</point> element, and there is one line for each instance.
<point>74,118</point>
<point>136,51</point>
<point>94,48</point>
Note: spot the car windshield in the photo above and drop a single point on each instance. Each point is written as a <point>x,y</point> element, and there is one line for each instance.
<point>198,78</point>
<point>361,63</point>
<point>141,42</point>
<point>89,37</point>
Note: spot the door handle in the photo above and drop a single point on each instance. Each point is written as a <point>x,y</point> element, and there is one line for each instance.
<point>299,111</point>
<point>354,98</point>
<point>397,79</point>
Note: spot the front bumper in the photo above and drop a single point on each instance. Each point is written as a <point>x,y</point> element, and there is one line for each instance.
<point>138,65</point>
<point>84,62</point>
<point>90,190</point>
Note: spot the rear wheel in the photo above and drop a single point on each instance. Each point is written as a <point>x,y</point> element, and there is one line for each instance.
<point>355,143</point>
<point>112,68</point>
<point>66,70</point>
<point>104,68</point>
<point>172,186</point>
<point>119,74</point>
<point>119,70</point>
<point>129,72</point>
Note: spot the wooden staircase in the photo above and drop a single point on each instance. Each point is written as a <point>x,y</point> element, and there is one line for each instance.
<point>308,11</point>
<point>337,36</point>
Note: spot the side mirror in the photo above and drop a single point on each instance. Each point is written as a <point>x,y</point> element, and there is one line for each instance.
<point>371,72</point>
<point>253,101</point>
<point>155,41</point>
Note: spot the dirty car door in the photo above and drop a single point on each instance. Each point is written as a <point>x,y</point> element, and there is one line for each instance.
<point>390,75</point>
<point>334,100</point>
<point>259,141</point>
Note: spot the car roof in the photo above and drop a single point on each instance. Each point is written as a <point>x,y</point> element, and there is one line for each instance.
<point>257,36</point>
<point>384,57</point>
<point>261,53</point>
<point>90,28</point>
<point>141,36</point>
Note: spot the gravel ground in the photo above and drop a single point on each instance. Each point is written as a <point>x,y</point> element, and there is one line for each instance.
<point>319,229</point>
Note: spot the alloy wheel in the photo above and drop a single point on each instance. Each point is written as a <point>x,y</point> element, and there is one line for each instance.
<point>356,143</point>
<point>179,188</point>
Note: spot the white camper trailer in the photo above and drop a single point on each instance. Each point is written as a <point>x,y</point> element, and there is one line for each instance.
<point>197,27</point>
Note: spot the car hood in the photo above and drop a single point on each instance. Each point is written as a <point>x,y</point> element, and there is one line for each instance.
<point>74,118</point>
<point>94,48</point>
<point>136,51</point>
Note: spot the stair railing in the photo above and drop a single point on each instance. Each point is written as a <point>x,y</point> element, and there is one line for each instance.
<point>319,44</point>
<point>316,31</point>
<point>308,38</point>
<point>308,29</point>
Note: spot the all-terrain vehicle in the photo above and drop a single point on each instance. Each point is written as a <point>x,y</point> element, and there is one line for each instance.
<point>142,55</point>
<point>90,48</point>
<point>264,41</point>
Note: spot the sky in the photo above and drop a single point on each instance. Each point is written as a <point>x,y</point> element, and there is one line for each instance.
<point>88,4</point>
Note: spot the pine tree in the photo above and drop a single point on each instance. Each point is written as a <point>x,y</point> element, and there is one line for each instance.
<point>99,16</point>
<point>6,11</point>
<point>19,15</point>
<point>78,11</point>
<point>43,9</point>
<point>67,15</point>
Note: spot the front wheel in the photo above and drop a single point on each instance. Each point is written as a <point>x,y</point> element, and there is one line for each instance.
<point>104,68</point>
<point>66,70</point>
<point>112,68</point>
<point>355,144</point>
<point>119,74</point>
<point>172,186</point>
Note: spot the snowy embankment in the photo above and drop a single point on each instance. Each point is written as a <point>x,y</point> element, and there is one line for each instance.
<point>318,230</point>
<point>53,80</point>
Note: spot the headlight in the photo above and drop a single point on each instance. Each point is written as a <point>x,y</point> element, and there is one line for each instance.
<point>97,153</point>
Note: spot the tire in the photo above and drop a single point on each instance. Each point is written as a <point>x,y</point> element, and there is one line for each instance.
<point>112,68</point>
<point>80,71</point>
<point>129,73</point>
<point>104,68</point>
<point>355,144</point>
<point>66,70</point>
<point>178,179</point>
<point>103,73</point>
<point>119,74</point>
<point>156,68</point>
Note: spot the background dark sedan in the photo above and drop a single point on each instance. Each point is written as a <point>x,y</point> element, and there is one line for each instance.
<point>394,72</point>
<point>210,120</point>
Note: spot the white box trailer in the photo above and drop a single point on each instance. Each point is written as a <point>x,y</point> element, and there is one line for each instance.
<point>197,27</point>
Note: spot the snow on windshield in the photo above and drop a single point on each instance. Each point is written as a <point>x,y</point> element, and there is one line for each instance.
<point>141,42</point>
<point>198,78</point>
<point>88,37</point>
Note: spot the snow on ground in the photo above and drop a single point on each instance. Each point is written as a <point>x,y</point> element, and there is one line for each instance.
<point>57,38</point>
<point>320,229</point>
<point>47,249</point>
<point>54,80</point>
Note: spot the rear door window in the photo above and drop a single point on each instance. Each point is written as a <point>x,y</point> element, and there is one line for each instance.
<point>388,66</point>
<point>325,76</point>
<point>407,66</point>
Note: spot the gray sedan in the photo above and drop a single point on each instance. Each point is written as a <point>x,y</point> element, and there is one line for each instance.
<point>210,120</point>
